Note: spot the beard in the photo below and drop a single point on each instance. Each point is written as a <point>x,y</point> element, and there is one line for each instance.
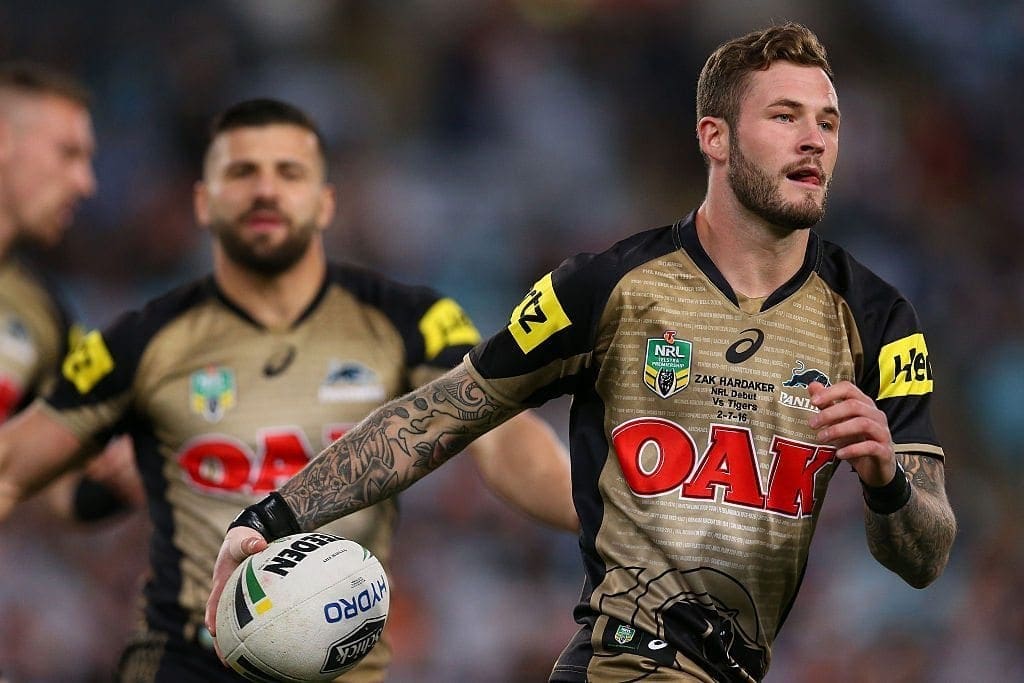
<point>257,254</point>
<point>760,195</point>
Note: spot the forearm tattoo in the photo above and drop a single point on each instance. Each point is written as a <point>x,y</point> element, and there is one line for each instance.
<point>915,540</point>
<point>394,446</point>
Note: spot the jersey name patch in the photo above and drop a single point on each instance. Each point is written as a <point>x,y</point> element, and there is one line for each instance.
<point>539,316</point>
<point>88,362</point>
<point>904,369</point>
<point>446,324</point>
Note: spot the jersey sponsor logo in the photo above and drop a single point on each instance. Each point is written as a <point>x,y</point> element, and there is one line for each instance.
<point>659,457</point>
<point>802,376</point>
<point>745,347</point>
<point>445,324</point>
<point>16,342</point>
<point>667,365</point>
<point>279,361</point>
<point>624,634</point>
<point>10,394</point>
<point>904,369</point>
<point>350,381</point>
<point>88,362</point>
<point>222,463</point>
<point>212,392</point>
<point>538,316</point>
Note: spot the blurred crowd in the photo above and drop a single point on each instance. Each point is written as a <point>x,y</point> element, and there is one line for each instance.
<point>477,143</point>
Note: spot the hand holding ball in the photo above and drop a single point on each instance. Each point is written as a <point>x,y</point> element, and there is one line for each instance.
<point>306,608</point>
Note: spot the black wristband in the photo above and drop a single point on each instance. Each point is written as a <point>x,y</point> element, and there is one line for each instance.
<point>93,501</point>
<point>887,499</point>
<point>271,517</point>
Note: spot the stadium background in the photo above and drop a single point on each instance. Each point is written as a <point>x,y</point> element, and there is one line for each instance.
<point>476,144</point>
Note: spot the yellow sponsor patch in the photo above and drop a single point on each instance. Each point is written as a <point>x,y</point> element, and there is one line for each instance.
<point>538,317</point>
<point>904,369</point>
<point>446,324</point>
<point>88,362</point>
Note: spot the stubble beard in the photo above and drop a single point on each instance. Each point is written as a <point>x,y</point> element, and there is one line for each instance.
<point>255,255</point>
<point>758,193</point>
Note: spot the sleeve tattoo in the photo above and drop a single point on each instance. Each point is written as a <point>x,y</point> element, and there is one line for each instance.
<point>915,540</point>
<point>393,447</point>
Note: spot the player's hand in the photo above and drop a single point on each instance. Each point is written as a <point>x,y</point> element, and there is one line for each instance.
<point>850,421</point>
<point>239,543</point>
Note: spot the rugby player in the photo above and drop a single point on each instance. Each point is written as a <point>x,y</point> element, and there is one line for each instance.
<point>721,368</point>
<point>229,384</point>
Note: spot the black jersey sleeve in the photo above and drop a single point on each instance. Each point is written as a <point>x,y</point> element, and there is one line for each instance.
<point>548,344</point>
<point>435,330</point>
<point>896,370</point>
<point>93,391</point>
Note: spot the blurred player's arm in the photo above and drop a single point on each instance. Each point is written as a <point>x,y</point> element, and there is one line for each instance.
<point>107,486</point>
<point>525,464</point>
<point>915,540</point>
<point>35,449</point>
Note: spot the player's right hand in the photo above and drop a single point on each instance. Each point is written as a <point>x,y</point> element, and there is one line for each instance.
<point>239,543</point>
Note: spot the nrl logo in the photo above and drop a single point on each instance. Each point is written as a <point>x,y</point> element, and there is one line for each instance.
<point>212,392</point>
<point>667,366</point>
<point>624,634</point>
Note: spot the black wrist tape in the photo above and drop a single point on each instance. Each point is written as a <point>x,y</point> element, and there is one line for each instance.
<point>887,499</point>
<point>94,501</point>
<point>271,517</point>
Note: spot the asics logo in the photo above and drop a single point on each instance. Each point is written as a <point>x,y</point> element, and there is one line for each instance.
<point>745,347</point>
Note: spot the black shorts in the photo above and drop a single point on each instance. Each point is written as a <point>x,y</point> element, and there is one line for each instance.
<point>610,651</point>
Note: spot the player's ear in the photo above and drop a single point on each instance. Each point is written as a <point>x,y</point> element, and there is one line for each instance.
<point>328,206</point>
<point>713,137</point>
<point>200,203</point>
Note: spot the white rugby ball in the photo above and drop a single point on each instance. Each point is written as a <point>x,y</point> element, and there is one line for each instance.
<point>306,608</point>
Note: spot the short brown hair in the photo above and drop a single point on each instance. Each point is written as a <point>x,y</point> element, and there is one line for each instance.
<point>32,78</point>
<point>724,77</point>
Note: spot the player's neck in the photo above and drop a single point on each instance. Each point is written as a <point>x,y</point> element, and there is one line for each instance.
<point>752,256</point>
<point>275,302</point>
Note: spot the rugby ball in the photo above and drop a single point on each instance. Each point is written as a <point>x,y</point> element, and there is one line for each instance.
<point>306,608</point>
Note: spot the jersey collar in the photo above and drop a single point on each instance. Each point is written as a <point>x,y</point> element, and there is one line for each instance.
<point>686,237</point>
<point>211,286</point>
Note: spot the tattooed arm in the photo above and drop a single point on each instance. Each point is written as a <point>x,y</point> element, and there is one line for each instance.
<point>910,526</point>
<point>915,540</point>
<point>393,447</point>
<point>390,449</point>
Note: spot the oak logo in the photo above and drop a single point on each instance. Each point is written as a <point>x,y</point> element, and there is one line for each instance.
<point>538,316</point>
<point>659,457</point>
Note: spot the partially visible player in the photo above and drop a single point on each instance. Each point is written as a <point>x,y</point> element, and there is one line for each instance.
<point>229,384</point>
<point>46,151</point>
<point>722,368</point>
